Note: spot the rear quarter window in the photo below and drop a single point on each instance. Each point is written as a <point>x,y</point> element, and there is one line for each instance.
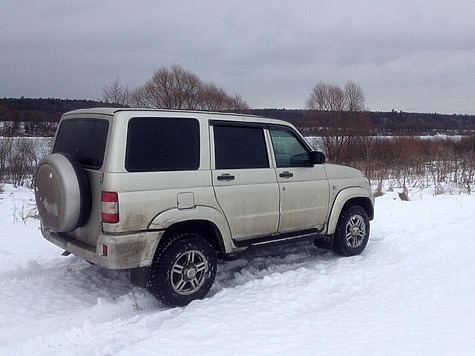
<point>83,139</point>
<point>162,144</point>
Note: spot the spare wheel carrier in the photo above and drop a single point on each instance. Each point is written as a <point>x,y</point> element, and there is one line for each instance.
<point>62,193</point>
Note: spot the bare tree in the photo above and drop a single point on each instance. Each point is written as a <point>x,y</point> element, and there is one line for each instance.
<point>212,97</point>
<point>215,99</point>
<point>169,88</point>
<point>354,97</point>
<point>344,120</point>
<point>238,104</point>
<point>330,97</point>
<point>326,97</point>
<point>178,88</point>
<point>116,93</point>
<point>21,160</point>
<point>6,145</point>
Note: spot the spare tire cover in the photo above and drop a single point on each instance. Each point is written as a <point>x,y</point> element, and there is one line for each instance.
<point>62,193</point>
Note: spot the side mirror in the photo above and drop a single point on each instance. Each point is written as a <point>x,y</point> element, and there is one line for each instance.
<point>317,157</point>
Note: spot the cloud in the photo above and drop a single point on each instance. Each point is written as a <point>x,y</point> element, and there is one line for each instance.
<point>406,55</point>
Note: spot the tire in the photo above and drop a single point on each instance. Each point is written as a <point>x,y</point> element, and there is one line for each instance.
<point>352,232</point>
<point>62,193</point>
<point>183,270</point>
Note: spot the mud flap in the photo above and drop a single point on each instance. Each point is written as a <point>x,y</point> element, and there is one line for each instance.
<point>139,276</point>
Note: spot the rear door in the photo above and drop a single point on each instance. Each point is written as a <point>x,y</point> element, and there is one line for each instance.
<point>85,140</point>
<point>244,182</point>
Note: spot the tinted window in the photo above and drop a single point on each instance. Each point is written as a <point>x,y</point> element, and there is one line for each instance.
<point>162,144</point>
<point>288,149</point>
<point>84,139</point>
<point>240,147</point>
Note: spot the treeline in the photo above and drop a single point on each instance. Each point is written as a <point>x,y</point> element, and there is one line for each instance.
<point>393,123</point>
<point>38,117</point>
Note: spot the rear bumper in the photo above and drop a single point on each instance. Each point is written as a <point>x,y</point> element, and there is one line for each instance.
<point>122,252</point>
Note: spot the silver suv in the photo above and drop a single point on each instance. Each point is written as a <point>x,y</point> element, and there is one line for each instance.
<point>164,193</point>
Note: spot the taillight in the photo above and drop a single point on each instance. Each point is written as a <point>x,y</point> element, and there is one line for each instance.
<point>110,207</point>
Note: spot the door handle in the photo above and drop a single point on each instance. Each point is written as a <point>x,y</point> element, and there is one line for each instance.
<point>226,176</point>
<point>286,174</point>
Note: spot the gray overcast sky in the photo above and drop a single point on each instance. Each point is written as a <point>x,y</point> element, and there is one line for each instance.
<point>406,55</point>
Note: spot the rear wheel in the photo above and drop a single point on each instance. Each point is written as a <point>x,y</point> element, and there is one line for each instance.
<point>352,232</point>
<point>183,270</point>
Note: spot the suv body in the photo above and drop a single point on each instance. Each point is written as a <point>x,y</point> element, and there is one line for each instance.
<point>126,188</point>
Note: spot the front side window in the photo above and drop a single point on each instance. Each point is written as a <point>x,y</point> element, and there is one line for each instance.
<point>162,144</point>
<point>83,139</point>
<point>239,147</point>
<point>288,149</point>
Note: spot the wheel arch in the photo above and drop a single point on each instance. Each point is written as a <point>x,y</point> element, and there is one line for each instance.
<point>209,222</point>
<point>345,198</point>
<point>205,228</point>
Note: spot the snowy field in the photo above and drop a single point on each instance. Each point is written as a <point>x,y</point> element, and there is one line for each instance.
<point>410,293</point>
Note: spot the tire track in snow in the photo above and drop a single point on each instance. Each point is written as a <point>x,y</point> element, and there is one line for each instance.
<point>34,270</point>
<point>76,294</point>
<point>129,306</point>
<point>42,300</point>
<point>46,297</point>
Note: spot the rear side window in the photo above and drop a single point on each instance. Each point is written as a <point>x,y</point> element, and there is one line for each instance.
<point>162,144</point>
<point>84,139</point>
<point>240,147</point>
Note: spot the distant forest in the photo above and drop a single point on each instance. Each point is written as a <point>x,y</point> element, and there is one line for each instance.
<point>38,117</point>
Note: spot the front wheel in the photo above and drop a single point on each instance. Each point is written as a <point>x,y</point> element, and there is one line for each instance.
<point>352,232</point>
<point>183,270</point>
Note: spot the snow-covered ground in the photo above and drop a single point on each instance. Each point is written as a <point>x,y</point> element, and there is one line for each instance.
<point>410,293</point>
